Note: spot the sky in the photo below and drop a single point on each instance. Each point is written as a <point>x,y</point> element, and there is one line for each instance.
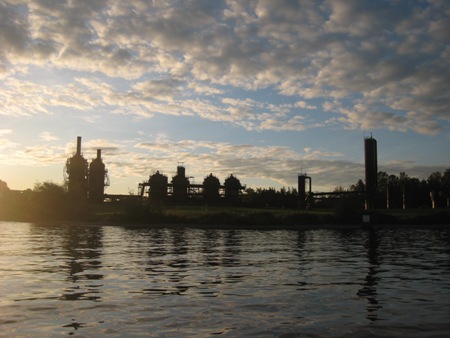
<point>263,90</point>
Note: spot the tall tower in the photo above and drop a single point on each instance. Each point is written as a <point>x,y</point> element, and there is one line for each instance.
<point>77,173</point>
<point>180,184</point>
<point>98,179</point>
<point>302,196</point>
<point>371,165</point>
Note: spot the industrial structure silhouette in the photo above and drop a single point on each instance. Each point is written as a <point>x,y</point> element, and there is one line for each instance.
<point>89,182</point>
<point>86,181</point>
<point>180,189</point>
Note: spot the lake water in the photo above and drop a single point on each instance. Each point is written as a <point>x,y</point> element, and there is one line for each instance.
<point>86,281</point>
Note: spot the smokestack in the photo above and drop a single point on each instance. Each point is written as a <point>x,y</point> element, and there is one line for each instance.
<point>99,154</point>
<point>371,165</point>
<point>79,145</point>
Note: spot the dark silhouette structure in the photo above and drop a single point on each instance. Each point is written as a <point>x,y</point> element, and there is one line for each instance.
<point>158,187</point>
<point>181,190</point>
<point>77,174</point>
<point>303,198</point>
<point>180,184</point>
<point>369,289</point>
<point>211,186</point>
<point>83,180</point>
<point>98,179</point>
<point>371,170</point>
<point>306,200</point>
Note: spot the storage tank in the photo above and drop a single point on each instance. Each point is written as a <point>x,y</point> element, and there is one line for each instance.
<point>232,189</point>
<point>158,187</point>
<point>77,173</point>
<point>211,186</point>
<point>98,179</point>
<point>180,184</point>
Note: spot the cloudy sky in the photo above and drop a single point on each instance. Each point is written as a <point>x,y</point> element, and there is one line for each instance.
<point>260,89</point>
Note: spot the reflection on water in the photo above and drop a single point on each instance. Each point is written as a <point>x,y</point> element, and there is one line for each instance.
<point>94,280</point>
<point>369,290</point>
<point>78,253</point>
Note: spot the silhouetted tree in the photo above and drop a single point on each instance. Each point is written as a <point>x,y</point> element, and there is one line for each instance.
<point>50,188</point>
<point>383,179</point>
<point>4,190</point>
<point>358,187</point>
<point>410,192</point>
<point>3,186</point>
<point>271,198</point>
<point>435,188</point>
<point>49,201</point>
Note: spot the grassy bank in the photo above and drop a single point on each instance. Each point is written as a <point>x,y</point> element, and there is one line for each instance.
<point>207,215</point>
<point>202,215</point>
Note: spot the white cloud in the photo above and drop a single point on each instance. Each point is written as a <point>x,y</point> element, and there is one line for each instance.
<point>5,132</point>
<point>6,144</point>
<point>48,136</point>
<point>160,89</point>
<point>393,53</point>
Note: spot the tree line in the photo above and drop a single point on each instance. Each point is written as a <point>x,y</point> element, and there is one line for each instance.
<point>403,191</point>
<point>393,192</point>
<point>46,201</point>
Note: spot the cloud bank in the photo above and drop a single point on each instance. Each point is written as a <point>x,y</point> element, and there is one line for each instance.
<point>383,64</point>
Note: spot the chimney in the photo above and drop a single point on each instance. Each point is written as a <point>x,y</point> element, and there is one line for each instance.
<point>99,154</point>
<point>79,145</point>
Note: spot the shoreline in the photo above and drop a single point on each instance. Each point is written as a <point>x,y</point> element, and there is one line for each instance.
<point>251,219</point>
<point>293,227</point>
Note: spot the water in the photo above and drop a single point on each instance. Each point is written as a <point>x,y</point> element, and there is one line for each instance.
<point>111,281</point>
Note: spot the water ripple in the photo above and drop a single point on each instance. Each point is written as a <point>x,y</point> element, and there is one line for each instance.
<point>94,280</point>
